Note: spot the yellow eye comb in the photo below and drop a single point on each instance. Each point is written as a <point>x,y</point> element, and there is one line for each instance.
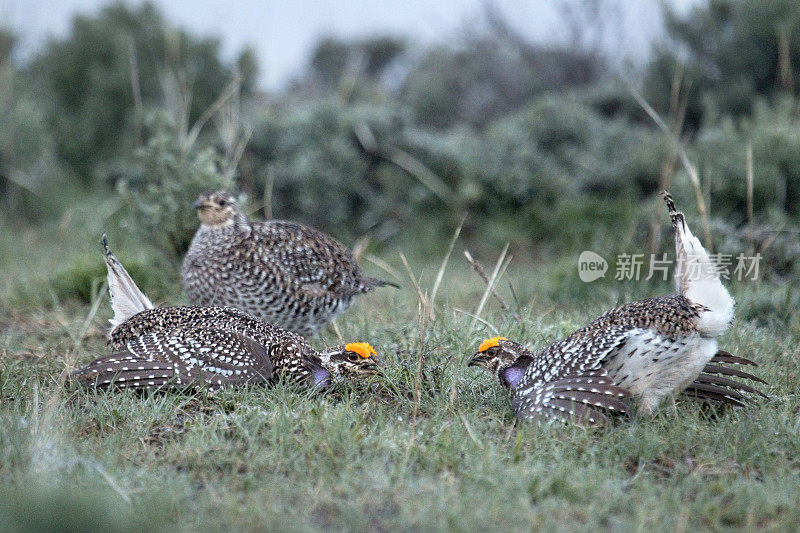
<point>363,349</point>
<point>490,343</point>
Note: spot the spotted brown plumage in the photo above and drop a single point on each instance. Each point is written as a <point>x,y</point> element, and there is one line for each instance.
<point>649,349</point>
<point>209,346</point>
<point>182,356</point>
<point>288,353</point>
<point>668,315</point>
<point>285,273</point>
<point>567,389</point>
<point>509,360</point>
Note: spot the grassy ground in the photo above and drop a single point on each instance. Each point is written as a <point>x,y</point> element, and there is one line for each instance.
<point>437,449</point>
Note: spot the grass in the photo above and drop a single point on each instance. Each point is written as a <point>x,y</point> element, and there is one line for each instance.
<point>436,449</point>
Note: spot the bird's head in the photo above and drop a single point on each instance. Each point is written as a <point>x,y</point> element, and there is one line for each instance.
<point>217,208</point>
<point>504,358</point>
<point>356,359</point>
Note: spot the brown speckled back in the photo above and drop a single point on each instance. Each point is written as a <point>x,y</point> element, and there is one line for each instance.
<point>282,272</point>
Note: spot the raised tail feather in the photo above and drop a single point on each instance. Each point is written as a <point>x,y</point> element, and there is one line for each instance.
<point>732,384</point>
<point>726,357</point>
<point>126,298</point>
<point>711,393</point>
<point>691,259</point>
<point>697,276</point>
<point>710,386</point>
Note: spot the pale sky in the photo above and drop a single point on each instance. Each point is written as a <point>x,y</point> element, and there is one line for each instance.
<point>284,32</point>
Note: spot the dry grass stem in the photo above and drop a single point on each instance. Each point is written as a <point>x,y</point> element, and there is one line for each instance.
<point>238,152</point>
<point>489,283</point>
<point>269,183</point>
<point>477,267</point>
<point>336,331</point>
<point>420,295</point>
<point>230,91</point>
<point>750,221</point>
<point>479,319</point>
<point>424,175</point>
<point>768,242</point>
<point>137,91</point>
<point>112,483</point>
<point>96,301</point>
<point>383,265</point>
<point>678,102</point>
<point>422,326</point>
<point>360,247</point>
<point>785,74</point>
<point>687,164</point>
<point>440,273</point>
<point>471,433</point>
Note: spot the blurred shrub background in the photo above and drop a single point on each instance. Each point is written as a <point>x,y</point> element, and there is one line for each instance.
<point>543,146</point>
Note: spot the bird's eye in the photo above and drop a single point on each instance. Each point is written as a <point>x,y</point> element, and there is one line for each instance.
<point>491,351</point>
<point>223,203</point>
<point>352,357</point>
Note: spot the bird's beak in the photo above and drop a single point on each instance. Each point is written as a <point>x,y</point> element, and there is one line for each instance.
<point>197,205</point>
<point>478,359</point>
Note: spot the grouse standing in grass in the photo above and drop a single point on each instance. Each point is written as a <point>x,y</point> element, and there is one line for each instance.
<point>649,349</point>
<point>209,346</point>
<point>288,274</point>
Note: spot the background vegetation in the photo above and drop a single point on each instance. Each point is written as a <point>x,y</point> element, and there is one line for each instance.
<point>550,148</point>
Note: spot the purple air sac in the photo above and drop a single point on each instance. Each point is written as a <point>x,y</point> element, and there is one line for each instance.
<point>511,376</point>
<point>322,378</point>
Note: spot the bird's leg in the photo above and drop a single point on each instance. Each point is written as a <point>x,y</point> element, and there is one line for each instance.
<point>672,405</point>
<point>648,405</point>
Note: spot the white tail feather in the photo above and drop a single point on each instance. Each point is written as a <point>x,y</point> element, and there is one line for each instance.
<point>126,298</point>
<point>697,277</point>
